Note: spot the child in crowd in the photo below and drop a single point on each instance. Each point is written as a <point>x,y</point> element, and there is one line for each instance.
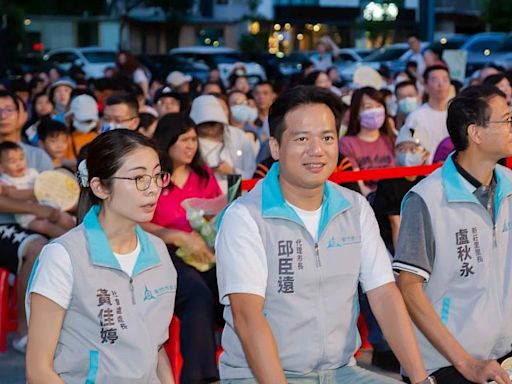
<point>17,181</point>
<point>54,139</point>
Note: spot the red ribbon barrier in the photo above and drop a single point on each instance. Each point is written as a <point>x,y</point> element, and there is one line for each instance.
<point>367,174</point>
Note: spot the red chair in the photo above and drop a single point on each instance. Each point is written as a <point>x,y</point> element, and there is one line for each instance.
<point>8,311</point>
<point>172,347</point>
<point>363,333</point>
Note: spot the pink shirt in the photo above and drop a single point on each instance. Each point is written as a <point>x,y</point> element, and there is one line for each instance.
<point>365,155</point>
<point>170,214</point>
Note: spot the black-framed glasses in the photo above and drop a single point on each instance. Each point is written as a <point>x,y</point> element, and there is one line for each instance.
<point>506,121</point>
<point>108,120</point>
<point>7,111</point>
<point>143,182</point>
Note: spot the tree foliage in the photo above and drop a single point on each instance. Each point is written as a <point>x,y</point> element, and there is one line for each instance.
<point>497,14</point>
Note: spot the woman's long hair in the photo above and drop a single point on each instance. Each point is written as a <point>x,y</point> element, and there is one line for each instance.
<point>167,132</point>
<point>354,126</point>
<point>105,155</point>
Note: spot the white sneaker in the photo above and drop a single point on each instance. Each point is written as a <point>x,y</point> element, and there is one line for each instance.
<point>19,344</point>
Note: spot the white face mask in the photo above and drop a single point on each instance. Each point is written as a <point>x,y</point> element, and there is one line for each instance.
<point>84,127</point>
<point>243,113</point>
<point>409,159</point>
<point>105,127</point>
<point>392,107</point>
<point>408,104</point>
<point>210,151</point>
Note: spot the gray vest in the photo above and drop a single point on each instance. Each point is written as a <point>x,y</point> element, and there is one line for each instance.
<point>311,297</point>
<point>115,324</point>
<point>470,286</point>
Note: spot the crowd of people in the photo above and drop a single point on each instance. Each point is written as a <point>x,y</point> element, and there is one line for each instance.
<point>295,259</point>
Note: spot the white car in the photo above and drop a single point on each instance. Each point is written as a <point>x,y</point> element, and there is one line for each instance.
<point>222,58</point>
<point>92,60</point>
<point>349,56</point>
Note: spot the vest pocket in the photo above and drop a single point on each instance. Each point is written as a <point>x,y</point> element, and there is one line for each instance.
<point>94,359</point>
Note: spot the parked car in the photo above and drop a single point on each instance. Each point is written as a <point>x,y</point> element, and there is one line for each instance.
<point>449,41</point>
<point>395,56</point>
<point>481,48</point>
<point>280,65</point>
<point>160,65</point>
<point>92,60</point>
<point>502,55</point>
<point>223,59</point>
<point>348,56</point>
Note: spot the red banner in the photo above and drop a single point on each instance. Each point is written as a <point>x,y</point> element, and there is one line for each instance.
<point>368,174</point>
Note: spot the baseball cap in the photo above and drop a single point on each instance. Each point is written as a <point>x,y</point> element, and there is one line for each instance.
<point>206,109</point>
<point>83,108</point>
<point>63,81</point>
<point>177,78</point>
<point>408,134</point>
<point>166,91</point>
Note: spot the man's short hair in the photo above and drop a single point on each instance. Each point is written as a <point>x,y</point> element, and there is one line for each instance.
<point>471,106</point>
<point>404,84</point>
<point>495,79</point>
<point>124,98</point>
<point>432,68</point>
<point>411,64</point>
<point>50,128</point>
<point>4,93</point>
<point>263,82</point>
<point>413,34</point>
<point>296,97</point>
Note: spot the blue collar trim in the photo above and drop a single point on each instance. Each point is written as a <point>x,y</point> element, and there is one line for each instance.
<point>274,205</point>
<point>453,182</point>
<point>456,191</point>
<point>101,253</point>
<point>503,186</point>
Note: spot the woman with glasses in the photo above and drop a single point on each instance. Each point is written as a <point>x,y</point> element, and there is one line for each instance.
<point>101,296</point>
<point>197,291</point>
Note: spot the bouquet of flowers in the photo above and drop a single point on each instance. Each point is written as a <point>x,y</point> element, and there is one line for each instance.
<point>203,214</point>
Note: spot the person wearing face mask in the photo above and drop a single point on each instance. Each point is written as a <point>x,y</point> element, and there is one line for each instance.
<point>224,148</point>
<point>243,115</point>
<point>82,120</point>
<point>121,111</point>
<point>390,192</point>
<point>386,203</point>
<point>391,102</point>
<point>369,141</point>
<point>408,100</point>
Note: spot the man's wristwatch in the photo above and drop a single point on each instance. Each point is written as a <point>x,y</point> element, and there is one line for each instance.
<point>428,380</point>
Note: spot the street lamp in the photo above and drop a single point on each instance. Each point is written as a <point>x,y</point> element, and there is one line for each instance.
<point>380,11</point>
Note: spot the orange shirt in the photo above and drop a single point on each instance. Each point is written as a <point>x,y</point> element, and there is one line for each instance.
<point>76,141</point>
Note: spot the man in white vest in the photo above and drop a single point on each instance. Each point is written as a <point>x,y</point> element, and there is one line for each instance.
<point>290,255</point>
<point>454,252</point>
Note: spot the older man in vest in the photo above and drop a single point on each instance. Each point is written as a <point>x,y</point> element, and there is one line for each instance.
<point>454,248</point>
<point>290,256</point>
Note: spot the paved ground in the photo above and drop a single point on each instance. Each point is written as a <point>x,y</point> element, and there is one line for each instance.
<point>12,366</point>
